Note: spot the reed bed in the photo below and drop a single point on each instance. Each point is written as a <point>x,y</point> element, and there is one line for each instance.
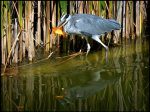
<point>26,26</point>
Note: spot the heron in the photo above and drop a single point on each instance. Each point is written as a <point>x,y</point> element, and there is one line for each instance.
<point>88,25</point>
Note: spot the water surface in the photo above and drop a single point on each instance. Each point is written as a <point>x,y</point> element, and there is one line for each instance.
<point>82,84</point>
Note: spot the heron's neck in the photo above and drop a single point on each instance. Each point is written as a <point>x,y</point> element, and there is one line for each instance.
<point>66,26</point>
<point>67,23</point>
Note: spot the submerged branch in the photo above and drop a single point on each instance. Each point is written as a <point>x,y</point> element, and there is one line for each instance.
<point>72,56</point>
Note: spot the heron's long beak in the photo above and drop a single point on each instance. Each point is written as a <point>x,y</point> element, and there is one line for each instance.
<point>60,23</point>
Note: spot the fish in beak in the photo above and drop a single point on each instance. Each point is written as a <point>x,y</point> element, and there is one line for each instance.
<point>58,30</point>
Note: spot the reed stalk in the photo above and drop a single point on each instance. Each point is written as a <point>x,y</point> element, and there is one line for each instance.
<point>87,7</point>
<point>9,30</point>
<point>99,8</point>
<point>20,10</point>
<point>124,19</point>
<point>47,25</point>
<point>72,4</point>
<point>134,19</point>
<point>15,51</point>
<point>137,18</point>
<point>4,55</point>
<point>53,14</point>
<point>23,39</point>
<point>31,52</point>
<point>127,20</point>
<point>2,38</point>
<point>32,30</point>
<point>142,17</point>
<point>44,23</point>
<point>39,24</point>
<point>131,20</point>
<point>80,7</point>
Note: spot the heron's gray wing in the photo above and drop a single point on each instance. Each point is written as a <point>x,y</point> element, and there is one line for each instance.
<point>94,25</point>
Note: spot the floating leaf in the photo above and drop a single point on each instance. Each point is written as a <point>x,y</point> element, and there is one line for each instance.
<point>59,97</point>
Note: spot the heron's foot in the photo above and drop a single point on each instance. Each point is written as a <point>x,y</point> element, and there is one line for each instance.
<point>87,52</point>
<point>80,50</point>
<point>106,54</point>
<point>106,48</point>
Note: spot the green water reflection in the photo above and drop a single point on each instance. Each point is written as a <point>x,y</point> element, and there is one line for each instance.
<point>82,83</point>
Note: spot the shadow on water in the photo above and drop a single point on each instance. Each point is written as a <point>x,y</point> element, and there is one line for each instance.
<point>82,83</point>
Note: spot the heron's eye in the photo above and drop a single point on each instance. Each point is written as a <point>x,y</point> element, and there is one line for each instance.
<point>66,16</point>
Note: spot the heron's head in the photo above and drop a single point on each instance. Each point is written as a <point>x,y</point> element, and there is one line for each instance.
<point>64,19</point>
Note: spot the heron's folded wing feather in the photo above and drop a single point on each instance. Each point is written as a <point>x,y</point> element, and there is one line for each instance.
<point>95,25</point>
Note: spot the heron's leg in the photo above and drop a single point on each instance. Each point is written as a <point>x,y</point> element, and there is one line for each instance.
<point>106,56</point>
<point>69,39</point>
<point>96,38</point>
<point>88,46</point>
<point>73,40</point>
